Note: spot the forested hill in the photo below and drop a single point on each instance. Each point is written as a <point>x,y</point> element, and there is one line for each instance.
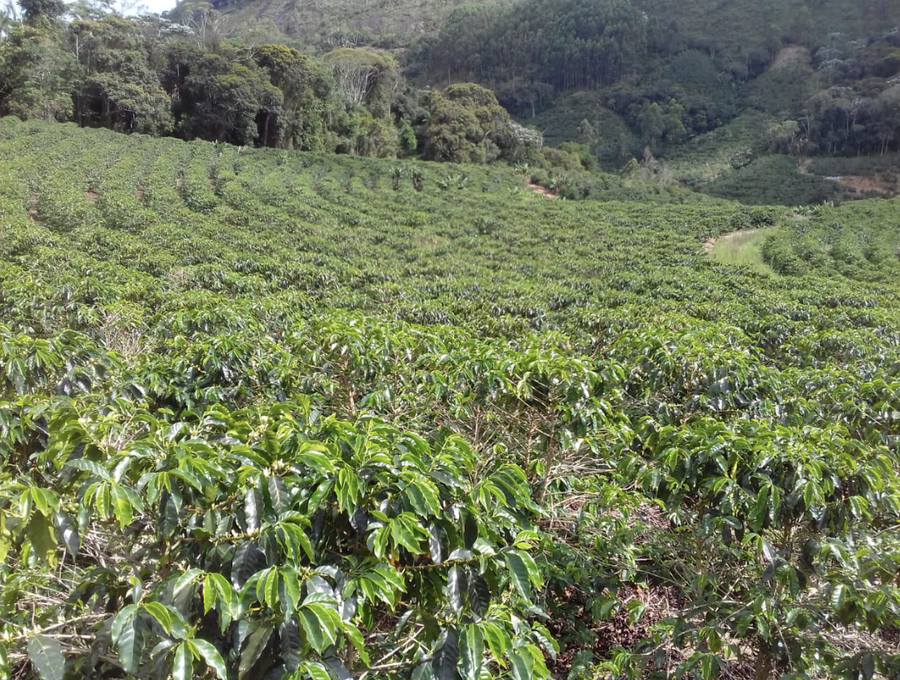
<point>730,24</point>
<point>325,24</point>
<point>572,44</point>
<point>697,60</point>
<point>709,88</point>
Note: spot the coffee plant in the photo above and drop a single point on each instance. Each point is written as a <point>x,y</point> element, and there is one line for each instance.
<point>277,415</point>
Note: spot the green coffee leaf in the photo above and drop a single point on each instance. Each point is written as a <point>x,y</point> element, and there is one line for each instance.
<point>211,656</point>
<point>47,656</point>
<point>183,667</point>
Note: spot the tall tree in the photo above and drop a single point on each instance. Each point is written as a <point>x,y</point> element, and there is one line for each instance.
<point>309,102</point>
<point>221,99</point>
<point>42,10</point>
<point>120,90</point>
<point>36,74</point>
<point>365,78</point>
<point>466,125</point>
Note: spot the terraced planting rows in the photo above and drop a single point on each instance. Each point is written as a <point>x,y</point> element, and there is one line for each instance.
<point>269,414</point>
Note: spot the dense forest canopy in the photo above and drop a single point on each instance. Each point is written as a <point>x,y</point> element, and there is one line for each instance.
<point>154,76</point>
<point>674,70</point>
<point>567,45</point>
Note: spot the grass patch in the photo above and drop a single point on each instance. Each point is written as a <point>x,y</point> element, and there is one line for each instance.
<point>743,248</point>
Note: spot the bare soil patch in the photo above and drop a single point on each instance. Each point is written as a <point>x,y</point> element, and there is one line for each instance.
<point>543,191</point>
<point>789,56</point>
<point>862,184</point>
<point>91,195</point>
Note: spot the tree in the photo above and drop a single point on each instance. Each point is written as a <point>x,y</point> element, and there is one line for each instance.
<point>408,141</point>
<point>525,96</point>
<point>221,100</point>
<point>208,27</point>
<point>38,10</point>
<point>365,78</point>
<point>366,135</point>
<point>783,136</point>
<point>119,90</point>
<point>465,122</point>
<point>568,44</point>
<point>36,74</point>
<point>309,102</point>
<point>588,134</point>
<point>652,124</point>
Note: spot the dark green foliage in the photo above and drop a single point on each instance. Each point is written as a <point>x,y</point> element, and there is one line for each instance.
<point>119,87</point>
<point>566,45</point>
<point>858,243</point>
<point>36,74</point>
<point>142,75</point>
<point>466,125</point>
<point>36,11</point>
<point>673,73</point>
<point>220,100</point>
<point>309,106</point>
<point>773,180</point>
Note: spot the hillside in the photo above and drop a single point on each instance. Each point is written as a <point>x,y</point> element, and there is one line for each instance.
<point>663,79</point>
<point>574,93</point>
<point>328,24</point>
<point>675,80</point>
<point>273,414</point>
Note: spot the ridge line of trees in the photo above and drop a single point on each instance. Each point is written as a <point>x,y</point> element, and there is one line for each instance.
<point>147,74</point>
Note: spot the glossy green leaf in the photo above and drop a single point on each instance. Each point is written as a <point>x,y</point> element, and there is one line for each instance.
<point>183,664</point>
<point>47,656</point>
<point>211,656</point>
<point>518,574</point>
<point>253,649</point>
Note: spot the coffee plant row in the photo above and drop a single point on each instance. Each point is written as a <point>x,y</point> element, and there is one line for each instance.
<point>272,415</point>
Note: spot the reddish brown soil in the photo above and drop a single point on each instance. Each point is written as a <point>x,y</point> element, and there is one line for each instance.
<point>543,191</point>
<point>862,184</point>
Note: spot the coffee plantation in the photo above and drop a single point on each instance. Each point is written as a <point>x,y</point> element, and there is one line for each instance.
<point>269,414</point>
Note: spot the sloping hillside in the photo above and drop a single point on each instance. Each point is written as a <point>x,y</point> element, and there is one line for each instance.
<point>323,24</point>
<point>294,416</point>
